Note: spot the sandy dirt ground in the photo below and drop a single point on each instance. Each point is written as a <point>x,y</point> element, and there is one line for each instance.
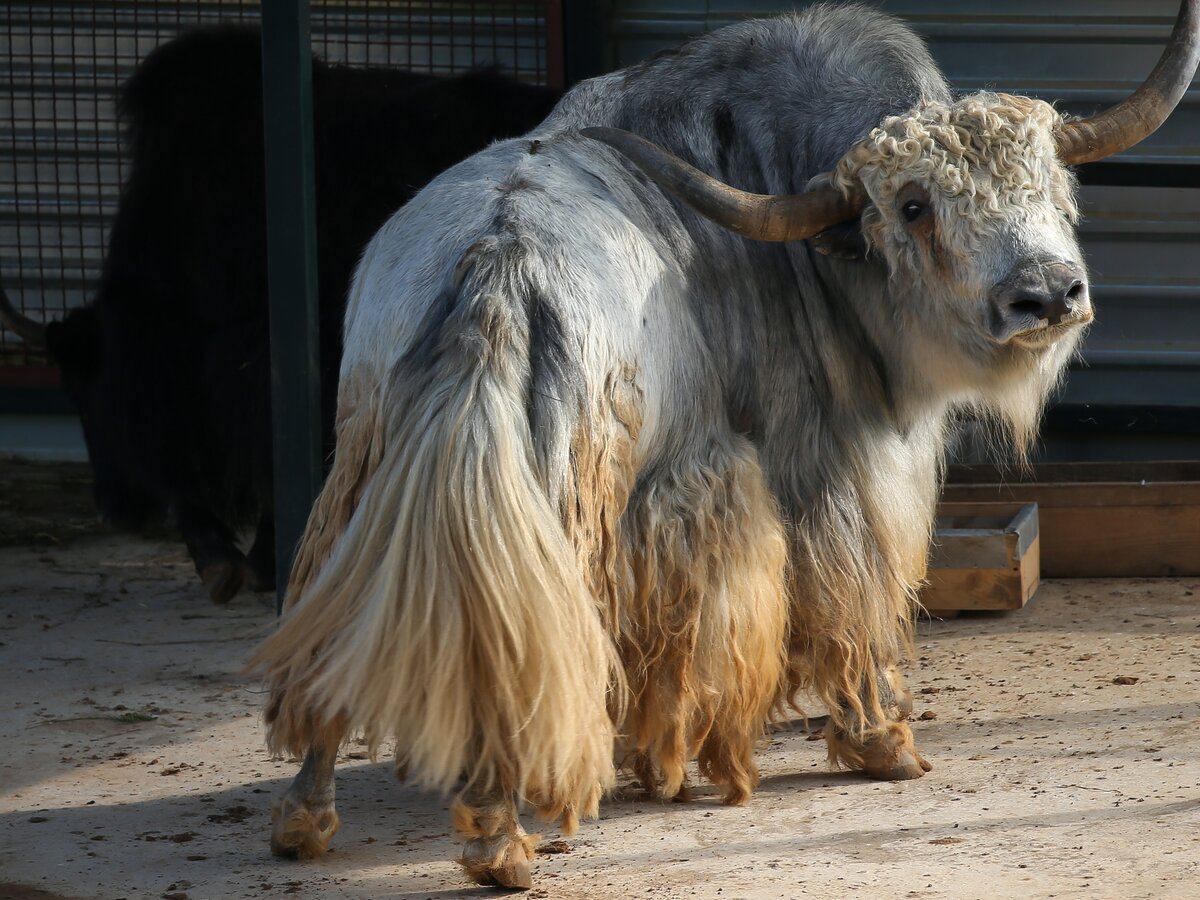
<point>1063,737</point>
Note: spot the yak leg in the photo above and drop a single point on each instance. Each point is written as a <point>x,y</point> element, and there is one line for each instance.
<point>211,544</point>
<point>260,560</point>
<point>304,820</point>
<point>881,748</point>
<point>743,634</point>
<point>498,851</point>
<point>703,651</point>
<point>901,705</point>
<point>851,622</point>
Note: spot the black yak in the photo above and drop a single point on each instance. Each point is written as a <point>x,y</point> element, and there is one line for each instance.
<point>169,366</point>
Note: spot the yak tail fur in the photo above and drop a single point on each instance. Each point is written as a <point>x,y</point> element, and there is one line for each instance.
<point>451,613</point>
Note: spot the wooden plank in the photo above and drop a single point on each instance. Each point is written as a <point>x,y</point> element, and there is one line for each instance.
<point>1105,530</point>
<point>1031,570</point>
<point>1020,517</point>
<point>1081,541</point>
<point>1078,473</point>
<point>969,548</point>
<point>960,589</point>
<point>1167,493</point>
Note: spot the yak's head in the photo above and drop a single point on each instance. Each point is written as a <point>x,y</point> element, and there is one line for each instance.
<point>971,209</point>
<point>974,214</point>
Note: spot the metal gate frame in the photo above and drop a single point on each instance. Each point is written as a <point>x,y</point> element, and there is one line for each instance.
<point>291,273</point>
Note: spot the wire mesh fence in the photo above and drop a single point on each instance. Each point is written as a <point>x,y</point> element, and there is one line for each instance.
<point>61,154</point>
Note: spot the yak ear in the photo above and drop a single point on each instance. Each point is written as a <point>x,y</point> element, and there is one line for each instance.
<point>842,241</point>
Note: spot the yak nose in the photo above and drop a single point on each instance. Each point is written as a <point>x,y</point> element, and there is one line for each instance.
<point>1053,293</point>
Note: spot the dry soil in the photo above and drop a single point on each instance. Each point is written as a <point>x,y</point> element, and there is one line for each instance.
<point>1063,737</point>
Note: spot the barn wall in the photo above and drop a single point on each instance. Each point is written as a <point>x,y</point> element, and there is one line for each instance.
<point>1136,392</point>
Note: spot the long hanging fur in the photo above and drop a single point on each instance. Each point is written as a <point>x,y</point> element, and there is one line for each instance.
<point>702,632</point>
<point>451,612</point>
<point>855,606</point>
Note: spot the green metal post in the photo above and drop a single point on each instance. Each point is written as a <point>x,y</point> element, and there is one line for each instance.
<point>291,272</point>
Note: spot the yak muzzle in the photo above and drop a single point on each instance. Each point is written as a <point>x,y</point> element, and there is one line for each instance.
<point>1048,295</point>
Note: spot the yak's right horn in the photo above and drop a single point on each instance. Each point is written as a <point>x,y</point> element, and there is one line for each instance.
<point>1139,115</point>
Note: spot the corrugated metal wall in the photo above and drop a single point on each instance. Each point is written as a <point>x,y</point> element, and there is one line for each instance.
<point>1141,233</point>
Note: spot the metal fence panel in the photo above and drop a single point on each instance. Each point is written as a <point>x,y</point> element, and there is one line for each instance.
<point>61,63</point>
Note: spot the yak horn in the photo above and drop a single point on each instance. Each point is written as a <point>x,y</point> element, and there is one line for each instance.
<point>33,333</point>
<point>763,217</point>
<point>1138,116</point>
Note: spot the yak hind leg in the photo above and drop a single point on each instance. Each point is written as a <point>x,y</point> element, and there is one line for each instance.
<point>304,820</point>
<point>707,665</point>
<point>650,778</point>
<point>498,851</point>
<point>211,544</point>
<point>880,747</point>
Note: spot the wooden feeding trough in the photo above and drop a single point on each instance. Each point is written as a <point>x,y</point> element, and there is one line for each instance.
<point>985,556</point>
<point>1100,520</point>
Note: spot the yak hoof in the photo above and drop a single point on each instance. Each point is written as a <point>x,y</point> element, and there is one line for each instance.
<point>222,580</point>
<point>298,832</point>
<point>907,765</point>
<point>885,755</point>
<point>501,860</point>
<point>892,756</point>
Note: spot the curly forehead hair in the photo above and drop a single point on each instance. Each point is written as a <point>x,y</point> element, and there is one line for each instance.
<point>986,153</point>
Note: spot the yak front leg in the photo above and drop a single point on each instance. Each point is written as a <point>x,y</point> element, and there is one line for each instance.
<point>498,851</point>
<point>899,704</point>
<point>880,746</point>
<point>211,544</point>
<point>304,821</point>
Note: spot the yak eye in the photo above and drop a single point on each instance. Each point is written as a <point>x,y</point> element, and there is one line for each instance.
<point>912,210</point>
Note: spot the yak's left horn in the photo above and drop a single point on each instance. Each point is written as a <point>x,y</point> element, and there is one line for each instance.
<point>31,332</point>
<point>1138,116</point>
<point>792,217</point>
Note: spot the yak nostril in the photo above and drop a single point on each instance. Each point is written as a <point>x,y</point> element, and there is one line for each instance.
<point>1076,291</point>
<point>1029,306</point>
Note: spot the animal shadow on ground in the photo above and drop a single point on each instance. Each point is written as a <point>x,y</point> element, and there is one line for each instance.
<point>219,838</point>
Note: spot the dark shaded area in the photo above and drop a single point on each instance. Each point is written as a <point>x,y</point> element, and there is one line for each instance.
<point>45,504</point>
<point>169,367</point>
<point>1101,421</point>
<point>10,891</point>
<point>1130,174</point>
